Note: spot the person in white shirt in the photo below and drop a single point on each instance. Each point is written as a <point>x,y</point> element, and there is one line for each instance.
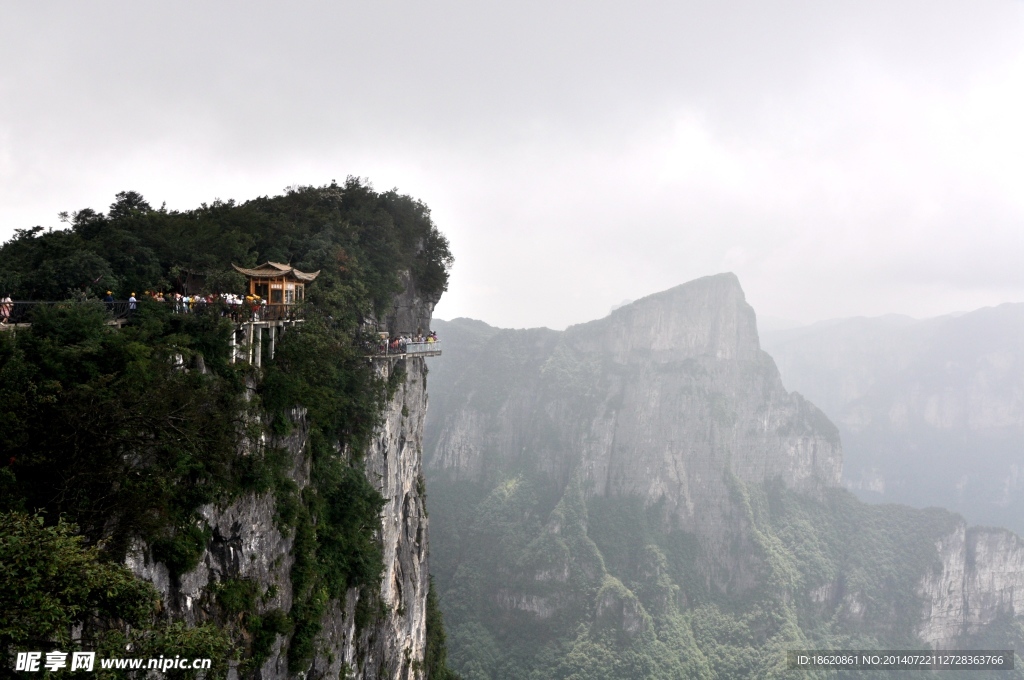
<point>6,307</point>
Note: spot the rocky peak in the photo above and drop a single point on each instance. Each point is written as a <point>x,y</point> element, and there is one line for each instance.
<point>707,317</point>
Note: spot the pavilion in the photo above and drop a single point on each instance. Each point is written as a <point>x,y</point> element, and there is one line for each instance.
<point>280,286</point>
<point>277,283</point>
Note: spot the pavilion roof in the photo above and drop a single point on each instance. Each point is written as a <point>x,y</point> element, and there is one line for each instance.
<point>275,270</point>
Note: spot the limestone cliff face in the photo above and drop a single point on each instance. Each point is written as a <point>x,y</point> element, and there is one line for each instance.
<point>658,399</point>
<point>410,309</point>
<point>980,581</point>
<point>246,544</point>
<point>388,648</point>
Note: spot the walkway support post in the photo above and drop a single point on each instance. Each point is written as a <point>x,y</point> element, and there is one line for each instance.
<point>250,331</point>
<point>259,345</point>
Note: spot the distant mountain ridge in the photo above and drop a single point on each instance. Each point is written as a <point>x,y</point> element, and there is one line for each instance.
<point>931,411</point>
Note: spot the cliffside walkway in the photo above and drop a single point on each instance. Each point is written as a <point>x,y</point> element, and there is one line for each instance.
<point>409,349</point>
<point>255,327</point>
<point>18,314</point>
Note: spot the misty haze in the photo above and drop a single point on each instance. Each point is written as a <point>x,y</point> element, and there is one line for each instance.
<point>663,340</point>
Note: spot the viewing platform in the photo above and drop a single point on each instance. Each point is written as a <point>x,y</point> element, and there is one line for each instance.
<point>409,349</point>
<point>255,325</point>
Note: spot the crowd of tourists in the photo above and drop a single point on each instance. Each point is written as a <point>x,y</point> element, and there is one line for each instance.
<point>399,344</point>
<point>237,307</point>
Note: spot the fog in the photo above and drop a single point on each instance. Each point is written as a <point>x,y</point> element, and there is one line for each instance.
<point>847,158</point>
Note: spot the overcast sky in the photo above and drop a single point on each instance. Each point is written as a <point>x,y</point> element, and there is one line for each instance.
<point>843,157</point>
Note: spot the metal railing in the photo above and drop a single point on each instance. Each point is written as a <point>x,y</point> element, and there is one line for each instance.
<point>20,311</point>
<point>423,347</point>
<point>242,312</point>
<point>407,349</point>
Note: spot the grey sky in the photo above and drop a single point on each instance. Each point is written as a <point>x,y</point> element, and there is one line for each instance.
<point>843,157</point>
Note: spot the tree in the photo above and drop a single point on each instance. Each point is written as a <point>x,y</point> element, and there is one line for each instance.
<point>127,204</point>
<point>50,581</point>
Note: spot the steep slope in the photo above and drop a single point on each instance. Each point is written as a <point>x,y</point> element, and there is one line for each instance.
<point>639,496</point>
<point>931,412</point>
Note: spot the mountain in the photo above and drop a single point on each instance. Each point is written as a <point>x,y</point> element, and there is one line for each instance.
<point>639,496</point>
<point>268,516</point>
<point>931,412</point>
<point>653,400</point>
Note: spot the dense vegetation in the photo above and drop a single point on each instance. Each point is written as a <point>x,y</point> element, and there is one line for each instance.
<point>51,582</point>
<point>605,588</point>
<point>357,237</point>
<point>122,434</point>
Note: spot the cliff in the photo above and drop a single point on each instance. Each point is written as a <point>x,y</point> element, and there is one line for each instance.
<point>247,544</point>
<point>980,581</point>
<point>276,506</point>
<point>393,645</point>
<point>931,413</point>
